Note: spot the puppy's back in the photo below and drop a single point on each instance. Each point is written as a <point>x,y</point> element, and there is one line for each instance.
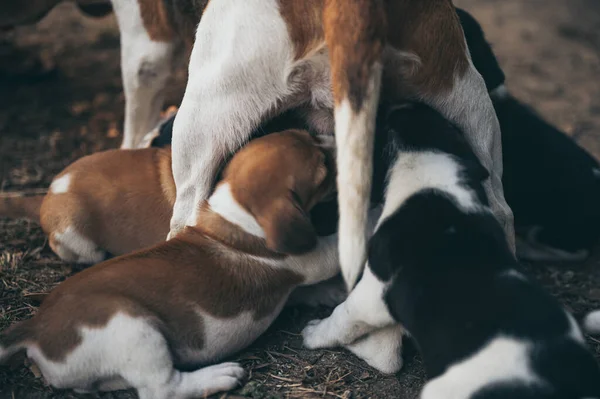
<point>121,200</point>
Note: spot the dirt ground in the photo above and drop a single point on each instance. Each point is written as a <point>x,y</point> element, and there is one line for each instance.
<point>61,98</point>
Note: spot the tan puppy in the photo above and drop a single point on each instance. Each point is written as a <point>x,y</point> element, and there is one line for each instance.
<point>136,320</point>
<point>112,202</point>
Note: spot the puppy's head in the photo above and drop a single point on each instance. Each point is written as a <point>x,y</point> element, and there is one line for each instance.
<point>418,127</point>
<point>278,178</point>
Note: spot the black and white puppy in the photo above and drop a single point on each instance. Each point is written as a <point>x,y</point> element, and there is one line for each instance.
<point>440,267</point>
<point>551,184</point>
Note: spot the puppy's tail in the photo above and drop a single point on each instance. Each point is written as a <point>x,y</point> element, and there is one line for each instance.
<point>355,32</point>
<point>21,204</point>
<point>591,323</point>
<point>16,338</point>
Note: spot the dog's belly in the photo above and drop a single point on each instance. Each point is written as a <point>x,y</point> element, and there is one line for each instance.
<point>224,337</point>
<point>310,81</point>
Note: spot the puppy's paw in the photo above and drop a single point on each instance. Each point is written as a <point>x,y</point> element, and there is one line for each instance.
<point>221,377</point>
<point>316,335</point>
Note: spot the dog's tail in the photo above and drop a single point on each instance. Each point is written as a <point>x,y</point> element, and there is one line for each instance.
<point>21,204</point>
<point>355,32</point>
<point>591,323</point>
<point>16,338</point>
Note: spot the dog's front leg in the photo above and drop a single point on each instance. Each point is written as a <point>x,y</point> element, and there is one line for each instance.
<point>363,312</point>
<point>146,65</point>
<point>238,72</point>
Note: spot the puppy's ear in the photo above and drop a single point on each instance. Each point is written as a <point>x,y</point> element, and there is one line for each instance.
<point>288,228</point>
<point>476,169</point>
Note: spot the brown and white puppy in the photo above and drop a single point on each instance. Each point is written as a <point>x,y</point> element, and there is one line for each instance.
<point>137,320</point>
<point>254,59</point>
<point>108,203</point>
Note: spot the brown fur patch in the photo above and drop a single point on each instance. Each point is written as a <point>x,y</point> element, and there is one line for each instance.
<point>355,34</point>
<point>305,24</point>
<point>306,175</point>
<point>120,199</point>
<point>156,20</point>
<point>431,30</point>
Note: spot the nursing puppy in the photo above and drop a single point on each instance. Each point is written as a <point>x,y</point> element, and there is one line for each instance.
<point>138,320</point>
<point>551,184</point>
<point>440,267</point>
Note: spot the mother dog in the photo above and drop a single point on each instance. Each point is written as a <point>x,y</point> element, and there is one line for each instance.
<point>254,59</point>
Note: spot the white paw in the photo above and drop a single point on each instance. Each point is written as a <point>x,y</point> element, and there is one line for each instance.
<point>315,335</point>
<point>222,377</point>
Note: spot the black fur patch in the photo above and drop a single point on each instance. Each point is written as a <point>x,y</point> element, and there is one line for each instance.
<point>481,51</point>
<point>548,179</point>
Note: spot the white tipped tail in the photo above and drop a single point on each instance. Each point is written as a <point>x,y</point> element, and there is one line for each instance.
<point>591,323</point>
<point>354,137</point>
<point>355,32</point>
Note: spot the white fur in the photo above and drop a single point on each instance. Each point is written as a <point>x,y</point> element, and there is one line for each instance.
<point>503,359</point>
<point>381,349</point>
<point>499,93</point>
<point>145,66</point>
<point>60,185</point>
<point>591,324</point>
<point>363,312</point>
<point>512,273</point>
<point>354,134</point>
<point>71,246</point>
<point>239,70</point>
<point>132,348</point>
<point>574,330</point>
<point>223,203</point>
<point>417,171</point>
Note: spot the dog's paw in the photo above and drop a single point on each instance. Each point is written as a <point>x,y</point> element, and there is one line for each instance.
<point>316,334</point>
<point>221,377</point>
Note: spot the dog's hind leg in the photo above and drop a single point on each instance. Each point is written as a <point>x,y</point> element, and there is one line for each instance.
<point>146,65</point>
<point>469,106</point>
<point>235,78</point>
<point>444,77</point>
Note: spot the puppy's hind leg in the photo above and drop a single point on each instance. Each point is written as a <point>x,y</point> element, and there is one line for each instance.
<point>142,358</point>
<point>236,76</point>
<point>146,64</point>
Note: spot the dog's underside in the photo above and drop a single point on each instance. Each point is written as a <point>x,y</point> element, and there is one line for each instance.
<point>255,59</point>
